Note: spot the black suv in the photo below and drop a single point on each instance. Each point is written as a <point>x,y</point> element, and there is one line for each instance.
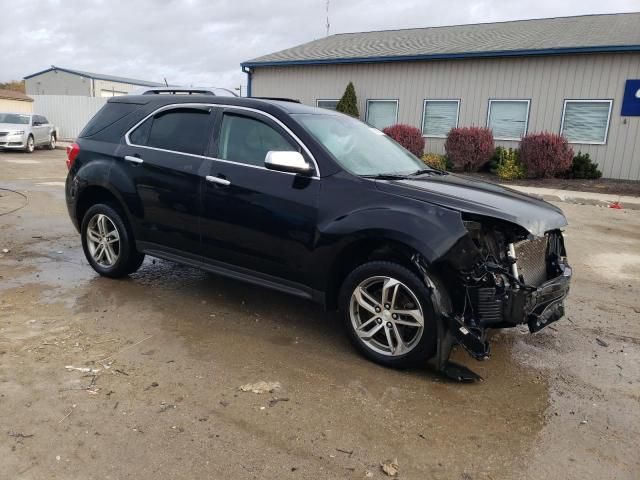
<point>319,205</point>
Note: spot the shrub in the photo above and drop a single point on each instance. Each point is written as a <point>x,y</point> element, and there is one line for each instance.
<point>545,154</point>
<point>469,148</point>
<point>349,102</point>
<point>435,160</point>
<point>409,137</point>
<point>583,167</point>
<point>509,165</point>
<point>497,158</point>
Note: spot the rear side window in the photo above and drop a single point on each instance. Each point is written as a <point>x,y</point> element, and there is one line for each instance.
<point>246,140</point>
<point>185,130</point>
<point>107,115</point>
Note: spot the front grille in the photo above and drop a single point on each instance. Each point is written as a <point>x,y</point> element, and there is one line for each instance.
<point>3,134</point>
<point>531,258</point>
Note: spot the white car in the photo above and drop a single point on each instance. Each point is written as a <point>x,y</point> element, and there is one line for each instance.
<point>26,131</point>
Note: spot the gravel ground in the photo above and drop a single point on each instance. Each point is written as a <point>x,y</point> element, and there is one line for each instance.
<point>158,360</point>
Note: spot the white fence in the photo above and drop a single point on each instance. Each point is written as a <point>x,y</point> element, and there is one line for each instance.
<point>69,113</point>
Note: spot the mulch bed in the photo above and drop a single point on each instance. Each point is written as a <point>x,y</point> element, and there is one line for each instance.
<point>602,185</point>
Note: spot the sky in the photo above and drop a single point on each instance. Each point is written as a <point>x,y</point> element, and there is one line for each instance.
<point>200,42</point>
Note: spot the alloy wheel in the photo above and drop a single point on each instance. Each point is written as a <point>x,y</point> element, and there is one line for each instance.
<point>30,145</point>
<point>103,240</point>
<point>386,315</point>
<point>52,143</point>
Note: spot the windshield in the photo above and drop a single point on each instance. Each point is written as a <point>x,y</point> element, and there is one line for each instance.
<point>14,118</point>
<point>358,148</point>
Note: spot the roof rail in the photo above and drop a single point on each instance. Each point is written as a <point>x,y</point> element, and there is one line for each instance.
<point>279,99</point>
<point>215,91</point>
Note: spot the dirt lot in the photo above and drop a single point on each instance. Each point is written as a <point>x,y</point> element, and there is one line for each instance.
<point>170,347</point>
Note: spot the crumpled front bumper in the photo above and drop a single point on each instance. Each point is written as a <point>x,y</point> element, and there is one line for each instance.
<point>545,305</point>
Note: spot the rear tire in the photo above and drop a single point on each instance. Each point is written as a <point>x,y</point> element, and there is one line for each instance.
<point>388,313</point>
<point>107,242</point>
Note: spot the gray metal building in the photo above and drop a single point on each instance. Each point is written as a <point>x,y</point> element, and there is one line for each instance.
<point>579,76</point>
<point>64,81</point>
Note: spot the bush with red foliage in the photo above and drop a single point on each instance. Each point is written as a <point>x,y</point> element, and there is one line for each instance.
<point>469,148</point>
<point>545,155</point>
<point>409,137</point>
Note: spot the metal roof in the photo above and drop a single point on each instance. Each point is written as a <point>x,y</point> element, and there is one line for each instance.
<point>549,36</point>
<point>98,76</point>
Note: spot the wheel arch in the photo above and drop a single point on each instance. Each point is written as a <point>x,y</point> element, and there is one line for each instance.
<point>363,250</point>
<point>94,194</point>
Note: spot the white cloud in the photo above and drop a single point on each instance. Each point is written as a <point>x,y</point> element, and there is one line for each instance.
<point>200,42</point>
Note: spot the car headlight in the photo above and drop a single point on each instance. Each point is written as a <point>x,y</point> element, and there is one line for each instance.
<point>19,132</point>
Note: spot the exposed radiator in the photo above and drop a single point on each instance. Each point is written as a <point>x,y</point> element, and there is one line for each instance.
<point>531,258</point>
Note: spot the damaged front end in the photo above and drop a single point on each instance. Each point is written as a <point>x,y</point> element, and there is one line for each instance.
<point>500,276</point>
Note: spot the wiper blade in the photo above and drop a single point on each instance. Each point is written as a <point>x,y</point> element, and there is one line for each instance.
<point>424,171</point>
<point>385,176</point>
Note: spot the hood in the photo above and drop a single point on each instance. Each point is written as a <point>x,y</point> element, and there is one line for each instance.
<point>9,127</point>
<point>470,195</point>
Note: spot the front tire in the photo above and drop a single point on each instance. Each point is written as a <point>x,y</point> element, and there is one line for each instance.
<point>388,313</point>
<point>31,145</point>
<point>52,142</point>
<point>107,242</point>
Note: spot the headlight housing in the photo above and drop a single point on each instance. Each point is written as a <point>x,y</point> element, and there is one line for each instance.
<point>17,132</point>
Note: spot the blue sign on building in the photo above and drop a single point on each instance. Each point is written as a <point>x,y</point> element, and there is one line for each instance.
<point>631,100</point>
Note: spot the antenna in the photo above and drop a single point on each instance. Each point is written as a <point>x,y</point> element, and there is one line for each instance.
<point>328,24</point>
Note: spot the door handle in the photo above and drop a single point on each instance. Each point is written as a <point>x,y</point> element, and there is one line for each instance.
<point>220,181</point>
<point>129,158</point>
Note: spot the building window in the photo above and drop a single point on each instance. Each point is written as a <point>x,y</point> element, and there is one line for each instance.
<point>586,121</point>
<point>328,104</point>
<point>439,116</point>
<point>382,113</point>
<point>508,118</point>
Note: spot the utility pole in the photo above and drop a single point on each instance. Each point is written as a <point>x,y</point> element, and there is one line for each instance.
<point>328,24</point>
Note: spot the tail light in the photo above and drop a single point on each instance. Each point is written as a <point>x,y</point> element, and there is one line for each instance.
<point>72,152</point>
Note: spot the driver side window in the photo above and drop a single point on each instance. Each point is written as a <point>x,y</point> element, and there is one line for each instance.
<point>247,140</point>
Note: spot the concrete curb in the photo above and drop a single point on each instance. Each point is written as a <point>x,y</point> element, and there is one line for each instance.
<point>582,198</point>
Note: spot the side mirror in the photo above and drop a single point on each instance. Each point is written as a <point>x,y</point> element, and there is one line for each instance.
<point>292,162</point>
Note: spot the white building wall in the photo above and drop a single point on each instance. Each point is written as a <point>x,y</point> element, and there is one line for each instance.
<point>546,81</point>
<point>57,82</point>
<point>68,113</point>
<point>114,87</point>
<point>15,106</point>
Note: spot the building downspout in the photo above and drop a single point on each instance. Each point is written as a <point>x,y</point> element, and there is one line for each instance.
<point>248,72</point>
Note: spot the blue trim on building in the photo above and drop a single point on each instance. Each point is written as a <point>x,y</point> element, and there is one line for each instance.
<point>450,56</point>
